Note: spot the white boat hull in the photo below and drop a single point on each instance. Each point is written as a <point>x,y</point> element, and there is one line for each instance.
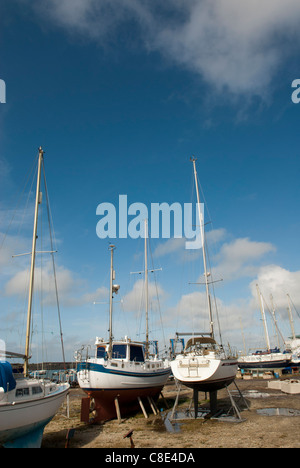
<point>204,374</point>
<point>265,361</point>
<point>126,381</point>
<point>22,423</point>
<point>96,374</point>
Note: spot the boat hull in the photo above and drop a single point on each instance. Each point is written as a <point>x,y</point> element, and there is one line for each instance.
<point>261,364</point>
<point>205,375</point>
<point>105,401</point>
<point>105,384</point>
<point>22,424</point>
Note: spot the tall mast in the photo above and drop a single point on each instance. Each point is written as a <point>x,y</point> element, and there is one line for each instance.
<point>275,319</point>
<point>262,308</point>
<point>193,159</point>
<point>146,292</point>
<point>291,318</point>
<point>112,277</point>
<point>33,250</point>
<point>243,336</point>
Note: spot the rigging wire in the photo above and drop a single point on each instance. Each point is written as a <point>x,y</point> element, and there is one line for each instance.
<point>297,312</point>
<point>157,296</point>
<point>30,175</point>
<point>27,178</point>
<point>209,264</point>
<point>186,259</point>
<point>53,264</point>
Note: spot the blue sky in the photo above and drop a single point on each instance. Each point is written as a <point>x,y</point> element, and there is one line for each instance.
<point>120,96</point>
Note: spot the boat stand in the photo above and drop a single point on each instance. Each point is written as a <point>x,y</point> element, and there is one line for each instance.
<point>151,404</point>
<point>194,411</point>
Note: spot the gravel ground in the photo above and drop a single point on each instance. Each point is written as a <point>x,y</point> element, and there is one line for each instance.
<point>255,431</point>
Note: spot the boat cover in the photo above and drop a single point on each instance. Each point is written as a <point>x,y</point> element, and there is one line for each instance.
<point>7,381</point>
<point>199,340</point>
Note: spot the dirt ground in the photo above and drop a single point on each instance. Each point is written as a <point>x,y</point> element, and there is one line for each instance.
<point>255,431</point>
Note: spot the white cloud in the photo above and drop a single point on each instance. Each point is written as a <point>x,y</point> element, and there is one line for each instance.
<point>70,288</point>
<point>190,312</point>
<point>101,294</point>
<point>190,315</point>
<point>169,246</point>
<point>19,282</point>
<point>278,282</point>
<point>178,246</point>
<point>244,315</point>
<point>134,300</point>
<point>13,245</point>
<point>95,19</point>
<point>239,258</point>
<point>230,44</point>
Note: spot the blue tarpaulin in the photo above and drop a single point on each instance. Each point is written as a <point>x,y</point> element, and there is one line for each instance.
<point>7,381</point>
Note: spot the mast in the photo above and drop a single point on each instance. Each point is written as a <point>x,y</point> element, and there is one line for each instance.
<point>112,277</point>
<point>261,302</point>
<point>275,319</point>
<point>193,159</point>
<point>146,283</point>
<point>33,251</point>
<point>291,318</point>
<point>146,292</point>
<point>243,336</point>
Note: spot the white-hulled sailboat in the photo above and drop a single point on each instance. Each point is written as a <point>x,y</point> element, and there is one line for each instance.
<point>27,404</point>
<point>204,365</point>
<point>293,344</point>
<point>122,371</point>
<point>270,358</point>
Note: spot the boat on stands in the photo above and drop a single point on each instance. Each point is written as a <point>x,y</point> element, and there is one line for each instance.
<point>27,404</point>
<point>293,344</point>
<point>204,365</point>
<point>270,358</point>
<point>122,373</point>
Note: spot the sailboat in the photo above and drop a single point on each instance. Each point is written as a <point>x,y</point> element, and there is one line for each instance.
<point>271,358</point>
<point>293,344</point>
<point>203,365</point>
<point>27,404</point>
<point>122,372</point>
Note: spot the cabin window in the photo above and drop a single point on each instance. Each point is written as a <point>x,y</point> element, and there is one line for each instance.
<point>136,353</point>
<point>22,392</point>
<point>36,390</point>
<point>101,352</point>
<point>119,351</point>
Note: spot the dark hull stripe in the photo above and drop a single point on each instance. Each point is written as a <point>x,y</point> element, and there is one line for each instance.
<point>264,365</point>
<point>104,370</point>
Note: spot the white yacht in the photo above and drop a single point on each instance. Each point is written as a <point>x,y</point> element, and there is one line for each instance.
<point>27,404</point>
<point>203,365</point>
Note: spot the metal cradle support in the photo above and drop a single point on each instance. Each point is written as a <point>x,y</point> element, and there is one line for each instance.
<point>233,414</point>
<point>234,404</point>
